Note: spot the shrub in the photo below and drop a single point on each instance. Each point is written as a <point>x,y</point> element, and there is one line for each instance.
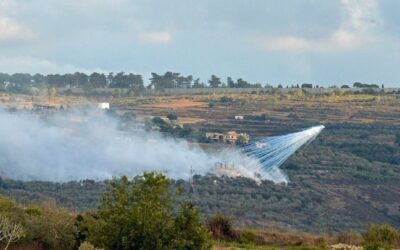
<point>53,227</point>
<point>397,140</point>
<point>226,99</point>
<point>88,246</point>
<point>248,236</point>
<point>138,214</point>
<point>381,237</point>
<point>158,121</point>
<point>172,117</point>
<point>221,228</point>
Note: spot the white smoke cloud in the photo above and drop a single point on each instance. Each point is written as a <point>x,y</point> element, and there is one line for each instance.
<point>86,144</point>
<point>74,147</point>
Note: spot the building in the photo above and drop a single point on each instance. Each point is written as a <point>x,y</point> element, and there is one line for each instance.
<point>239,117</point>
<point>40,107</point>
<point>215,137</point>
<point>231,137</point>
<point>103,105</point>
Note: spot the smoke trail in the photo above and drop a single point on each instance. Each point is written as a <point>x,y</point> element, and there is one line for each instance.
<point>267,155</point>
<point>81,145</point>
<point>86,144</point>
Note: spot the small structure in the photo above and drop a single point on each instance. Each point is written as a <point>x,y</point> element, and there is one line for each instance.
<point>40,107</point>
<point>225,169</point>
<point>231,137</point>
<point>103,105</point>
<point>215,137</point>
<point>239,117</point>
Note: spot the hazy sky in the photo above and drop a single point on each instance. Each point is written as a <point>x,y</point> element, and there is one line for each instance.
<point>269,41</point>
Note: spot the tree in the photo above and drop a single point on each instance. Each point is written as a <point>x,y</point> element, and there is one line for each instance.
<point>51,92</point>
<point>242,83</point>
<point>198,84</point>
<point>231,83</point>
<point>9,231</point>
<point>306,86</point>
<point>184,82</point>
<point>98,80</point>
<point>168,80</point>
<point>138,214</point>
<point>187,231</point>
<point>215,82</point>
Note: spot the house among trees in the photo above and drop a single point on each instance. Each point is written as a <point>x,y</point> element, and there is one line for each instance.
<point>231,137</point>
<point>215,137</point>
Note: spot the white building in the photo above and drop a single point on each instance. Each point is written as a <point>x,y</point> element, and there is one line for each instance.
<point>239,117</point>
<point>103,105</point>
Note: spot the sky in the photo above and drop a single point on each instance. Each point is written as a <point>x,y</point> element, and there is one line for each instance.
<point>323,42</point>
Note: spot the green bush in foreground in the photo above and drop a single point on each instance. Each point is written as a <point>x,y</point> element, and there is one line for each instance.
<point>50,227</point>
<point>138,214</point>
<point>381,237</point>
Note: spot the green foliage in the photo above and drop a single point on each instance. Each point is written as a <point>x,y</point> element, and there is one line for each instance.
<point>53,227</point>
<point>364,85</point>
<point>172,117</point>
<point>381,237</point>
<point>221,228</point>
<point>397,139</point>
<point>215,82</point>
<point>226,99</point>
<point>158,121</point>
<point>306,86</point>
<point>87,246</point>
<point>188,234</point>
<point>248,236</point>
<point>138,214</point>
<point>10,209</point>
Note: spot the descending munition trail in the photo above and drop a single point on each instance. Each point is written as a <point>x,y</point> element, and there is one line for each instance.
<point>270,153</point>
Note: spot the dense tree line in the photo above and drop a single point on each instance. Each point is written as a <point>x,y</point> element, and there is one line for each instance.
<point>23,82</point>
<point>115,80</point>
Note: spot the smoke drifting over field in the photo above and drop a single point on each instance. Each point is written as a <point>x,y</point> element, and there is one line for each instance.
<point>86,144</point>
<point>74,146</point>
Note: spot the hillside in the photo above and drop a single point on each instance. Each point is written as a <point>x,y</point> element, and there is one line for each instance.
<point>345,179</point>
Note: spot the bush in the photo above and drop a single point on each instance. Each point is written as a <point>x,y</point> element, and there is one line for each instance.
<point>248,236</point>
<point>87,246</point>
<point>172,117</point>
<point>221,228</point>
<point>397,140</point>
<point>139,214</point>
<point>53,227</point>
<point>226,99</point>
<point>381,237</point>
<point>158,121</point>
